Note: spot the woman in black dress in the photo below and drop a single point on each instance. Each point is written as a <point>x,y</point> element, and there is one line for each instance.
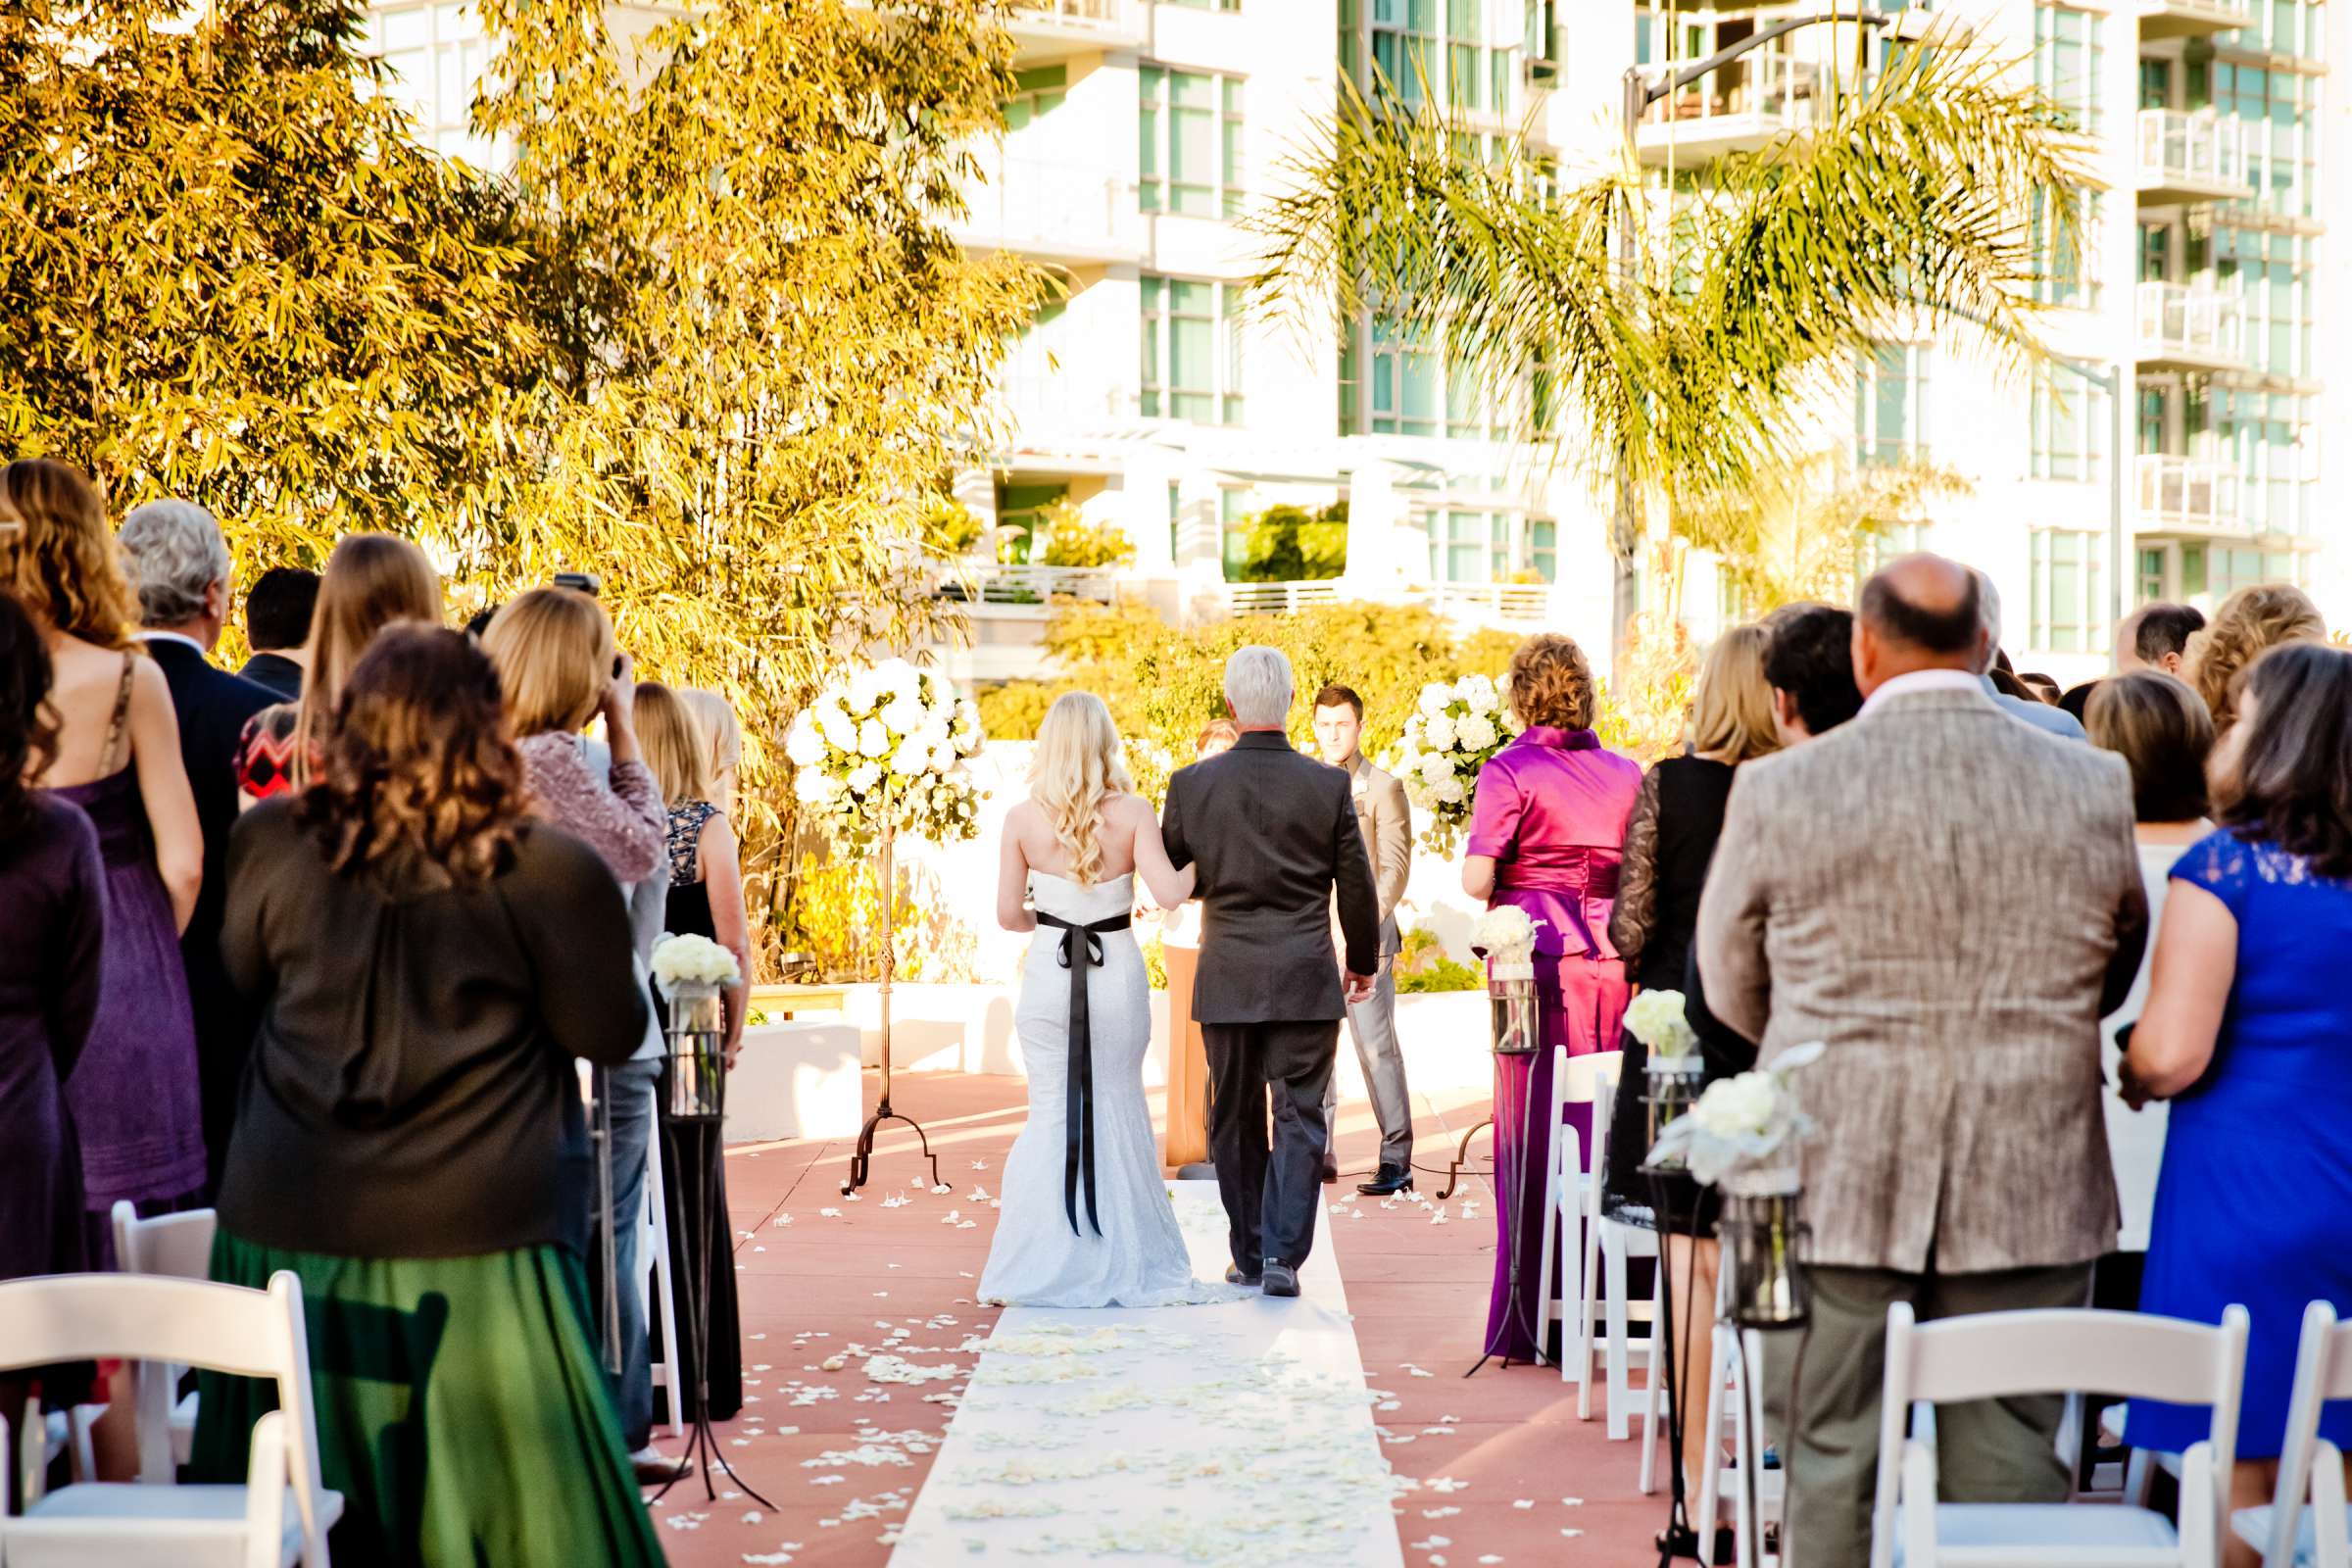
<point>1668,843</point>
<point>705,900</point>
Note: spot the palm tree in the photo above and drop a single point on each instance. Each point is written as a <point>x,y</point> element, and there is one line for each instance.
<point>1694,359</point>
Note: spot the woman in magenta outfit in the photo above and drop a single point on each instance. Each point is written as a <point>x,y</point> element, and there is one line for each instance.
<point>1545,834</point>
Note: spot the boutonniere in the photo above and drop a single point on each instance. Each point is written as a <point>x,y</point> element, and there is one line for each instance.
<point>1358,786</point>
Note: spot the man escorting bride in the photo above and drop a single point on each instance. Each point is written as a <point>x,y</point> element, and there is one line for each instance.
<point>1263,835</point>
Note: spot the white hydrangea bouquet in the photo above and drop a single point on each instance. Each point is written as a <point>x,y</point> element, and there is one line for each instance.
<point>1657,1019</point>
<point>1743,1124</point>
<point>680,961</point>
<point>1453,729</point>
<point>886,744</point>
<point>1505,936</point>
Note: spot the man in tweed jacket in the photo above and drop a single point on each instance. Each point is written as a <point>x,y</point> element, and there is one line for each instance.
<point>1951,901</point>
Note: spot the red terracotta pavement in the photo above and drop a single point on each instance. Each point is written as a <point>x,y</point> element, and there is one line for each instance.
<point>812,1284</point>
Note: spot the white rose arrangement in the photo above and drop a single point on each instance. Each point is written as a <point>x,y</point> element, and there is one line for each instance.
<point>1741,1124</point>
<point>1657,1019</point>
<point>1505,935</point>
<point>887,744</point>
<point>1454,728</point>
<point>691,961</point>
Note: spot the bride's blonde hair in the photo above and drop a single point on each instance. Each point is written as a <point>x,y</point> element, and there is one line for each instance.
<point>1077,767</point>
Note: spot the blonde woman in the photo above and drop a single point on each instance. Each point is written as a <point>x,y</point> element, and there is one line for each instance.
<point>2249,623</point>
<point>1668,843</point>
<point>1086,1221</point>
<point>371,581</point>
<point>725,735</point>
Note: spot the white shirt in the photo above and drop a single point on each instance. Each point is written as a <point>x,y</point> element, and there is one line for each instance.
<point>1924,681</point>
<point>172,637</point>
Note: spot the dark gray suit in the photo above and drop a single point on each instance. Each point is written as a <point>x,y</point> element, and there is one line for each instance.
<point>1273,834</point>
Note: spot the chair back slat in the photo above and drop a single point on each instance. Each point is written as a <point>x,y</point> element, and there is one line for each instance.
<point>1585,1079</point>
<point>1991,1355</point>
<point>177,1244</point>
<point>140,1317</point>
<point>2323,1372</point>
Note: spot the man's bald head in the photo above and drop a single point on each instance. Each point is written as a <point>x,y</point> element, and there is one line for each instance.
<point>1919,613</point>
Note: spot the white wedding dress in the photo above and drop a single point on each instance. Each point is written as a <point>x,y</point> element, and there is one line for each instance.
<point>1140,1258</point>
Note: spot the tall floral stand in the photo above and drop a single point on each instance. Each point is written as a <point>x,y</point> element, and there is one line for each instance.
<point>861,1161</point>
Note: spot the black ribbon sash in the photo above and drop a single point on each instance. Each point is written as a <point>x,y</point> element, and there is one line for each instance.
<point>1078,1110</point>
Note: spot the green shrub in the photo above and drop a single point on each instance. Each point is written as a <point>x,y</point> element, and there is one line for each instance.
<point>1155,962</point>
<point>1290,544</point>
<point>1012,710</point>
<point>1072,541</point>
<point>1423,967</point>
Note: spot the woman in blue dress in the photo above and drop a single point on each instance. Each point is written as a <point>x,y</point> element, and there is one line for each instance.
<point>2249,1033</point>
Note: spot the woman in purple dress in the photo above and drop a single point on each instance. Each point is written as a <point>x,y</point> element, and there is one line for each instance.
<point>51,925</point>
<point>1545,833</point>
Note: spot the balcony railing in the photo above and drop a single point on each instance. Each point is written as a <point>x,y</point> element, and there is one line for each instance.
<point>1278,598</point>
<point>1493,604</point>
<point>2187,493</point>
<point>1741,107</point>
<point>2191,154</point>
<point>986,583</point>
<point>1046,27</point>
<point>2193,19</point>
<point>2194,327</point>
<point>1048,209</point>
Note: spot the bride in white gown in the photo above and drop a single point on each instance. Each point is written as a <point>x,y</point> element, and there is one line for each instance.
<point>1085,1219</point>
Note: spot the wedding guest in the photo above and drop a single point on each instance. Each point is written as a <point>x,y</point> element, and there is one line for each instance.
<point>371,580</point>
<point>2244,1030</point>
<point>1386,819</point>
<point>705,897</point>
<point>2250,622</point>
<point>2156,637</point>
<point>718,717</point>
<point>2076,699</point>
<point>428,958</point>
<point>1668,842</point>
<point>2041,688</point>
<point>1545,834</point>
<point>2157,725</point>
<point>277,625</point>
<point>52,938</point>
<point>2017,702</point>
<point>1959,1161</point>
<point>179,567</point>
<point>1186,1143</point>
<point>554,650</point>
<point>133,1095</point>
<point>1810,668</point>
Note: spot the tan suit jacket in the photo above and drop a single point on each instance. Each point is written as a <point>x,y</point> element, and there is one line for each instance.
<point>1386,817</point>
<point>1951,901</point>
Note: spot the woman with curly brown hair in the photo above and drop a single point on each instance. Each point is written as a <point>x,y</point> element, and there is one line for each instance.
<point>2250,622</point>
<point>427,959</point>
<point>115,756</point>
<point>1546,833</point>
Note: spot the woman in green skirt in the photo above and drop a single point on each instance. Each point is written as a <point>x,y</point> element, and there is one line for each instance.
<point>429,960</point>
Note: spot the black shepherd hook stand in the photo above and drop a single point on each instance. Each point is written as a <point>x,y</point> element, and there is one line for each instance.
<point>1681,1538</point>
<point>861,1160</point>
<point>1461,1157</point>
<point>700,1130</point>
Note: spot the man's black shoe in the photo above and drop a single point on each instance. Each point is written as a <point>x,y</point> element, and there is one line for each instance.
<point>1388,1182</point>
<point>1235,1276</point>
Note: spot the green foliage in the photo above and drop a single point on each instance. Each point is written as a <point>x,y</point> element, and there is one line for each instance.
<point>1422,967</point>
<point>1013,710</point>
<point>1155,962</point>
<point>1807,527</point>
<point>1072,541</point>
<point>1290,544</point>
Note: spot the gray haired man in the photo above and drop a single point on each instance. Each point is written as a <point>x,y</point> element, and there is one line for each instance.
<point>1274,834</point>
<point>180,565</point>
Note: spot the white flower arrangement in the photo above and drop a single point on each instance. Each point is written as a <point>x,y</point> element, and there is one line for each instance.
<point>1505,936</point>
<point>691,961</point>
<point>1741,1124</point>
<point>1454,728</point>
<point>887,745</point>
<point>1657,1019</point>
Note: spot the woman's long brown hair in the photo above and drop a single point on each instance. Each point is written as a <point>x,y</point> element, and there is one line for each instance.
<point>371,581</point>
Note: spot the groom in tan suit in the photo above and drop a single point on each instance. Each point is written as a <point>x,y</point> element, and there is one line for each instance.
<point>1950,900</point>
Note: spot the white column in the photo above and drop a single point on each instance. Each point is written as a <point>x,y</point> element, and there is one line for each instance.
<point>1378,564</point>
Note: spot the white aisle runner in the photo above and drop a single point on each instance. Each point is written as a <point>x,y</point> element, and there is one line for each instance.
<point>1235,1433</point>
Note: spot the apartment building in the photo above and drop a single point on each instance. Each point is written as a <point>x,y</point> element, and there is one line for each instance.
<point>1143,397</point>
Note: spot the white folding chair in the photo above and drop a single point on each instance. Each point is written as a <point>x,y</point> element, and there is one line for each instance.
<point>1571,1191</point>
<point>1609,1248</point>
<point>2306,1523</point>
<point>659,1294</point>
<point>277,1518</point>
<point>180,1246</point>
<point>1735,1397</point>
<point>1994,1356</point>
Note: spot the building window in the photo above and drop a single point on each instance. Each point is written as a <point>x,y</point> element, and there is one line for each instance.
<point>2278,113</point>
<point>2065,269</point>
<point>1405,392</point>
<point>2070,420</point>
<point>2068,48</point>
<point>2262,436</point>
<point>436,53</point>
<point>1175,520</point>
<point>2152,576</point>
<point>1405,46</point>
<point>1035,94</point>
<point>2272,273</point>
<point>2068,611</point>
<point>1543,548</point>
<point>1891,403</point>
<point>1234,514</point>
<point>1192,351</point>
<point>1191,143</point>
<point>1205,4</point>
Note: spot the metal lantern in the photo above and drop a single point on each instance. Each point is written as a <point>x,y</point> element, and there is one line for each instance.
<point>1512,993</point>
<point>698,1067</point>
<point>1671,1090</point>
<point>1765,1239</point>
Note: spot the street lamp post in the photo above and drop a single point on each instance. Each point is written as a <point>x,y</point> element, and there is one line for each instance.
<point>1641,91</point>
